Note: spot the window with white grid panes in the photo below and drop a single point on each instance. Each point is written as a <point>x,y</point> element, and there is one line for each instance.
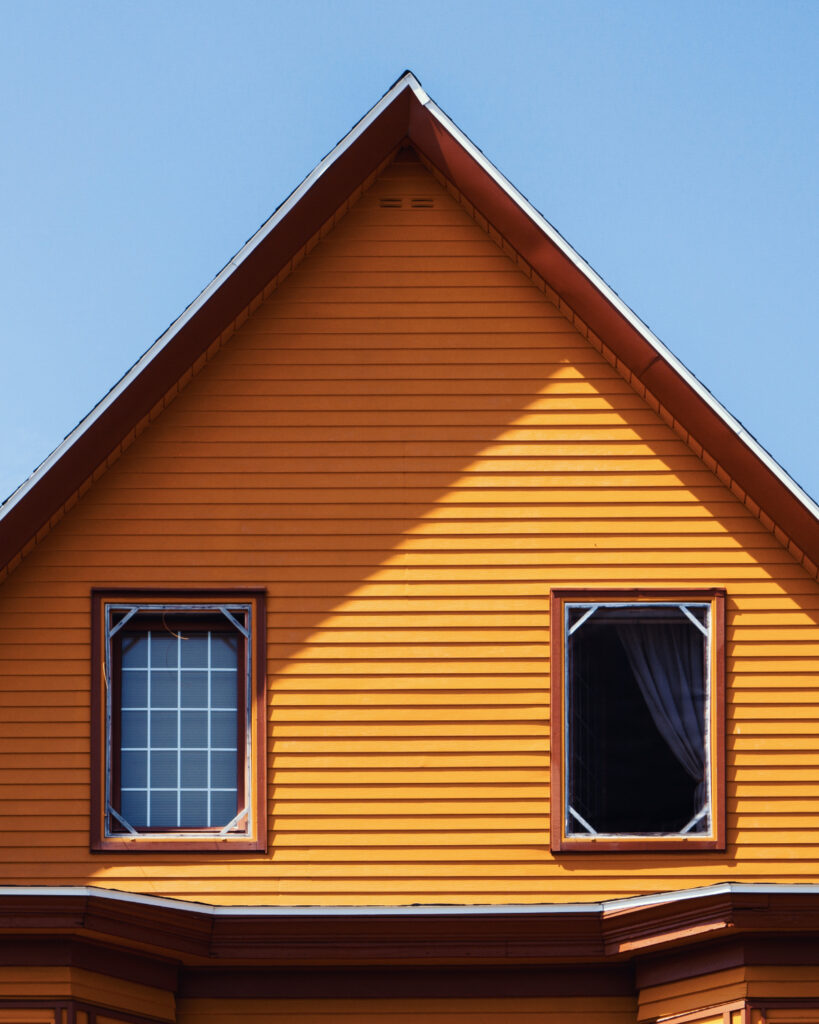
<point>178,721</point>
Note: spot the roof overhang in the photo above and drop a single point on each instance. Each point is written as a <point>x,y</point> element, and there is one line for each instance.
<point>406,112</point>
<point>610,932</point>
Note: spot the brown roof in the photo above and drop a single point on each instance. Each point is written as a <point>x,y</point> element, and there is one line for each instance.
<point>405,112</point>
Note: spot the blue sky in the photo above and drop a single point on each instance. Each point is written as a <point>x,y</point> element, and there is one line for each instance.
<point>674,145</point>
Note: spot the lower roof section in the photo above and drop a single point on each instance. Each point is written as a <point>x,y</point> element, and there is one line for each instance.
<point>610,932</point>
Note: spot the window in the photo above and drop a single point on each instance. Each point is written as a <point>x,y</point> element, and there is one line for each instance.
<point>637,720</point>
<point>178,721</point>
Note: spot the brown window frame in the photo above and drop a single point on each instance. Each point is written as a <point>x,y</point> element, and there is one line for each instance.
<point>561,842</point>
<point>250,833</point>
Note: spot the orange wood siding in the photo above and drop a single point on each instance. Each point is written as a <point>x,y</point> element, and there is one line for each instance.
<point>786,1015</point>
<point>60,983</point>
<point>692,994</point>
<point>580,1010</point>
<point>409,446</point>
<point>39,983</point>
<point>22,1016</point>
<point>784,982</point>
<point>753,983</point>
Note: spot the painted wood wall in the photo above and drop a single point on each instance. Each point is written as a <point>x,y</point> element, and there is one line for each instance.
<point>757,984</point>
<point>579,1010</point>
<point>409,446</point>
<point>47,983</point>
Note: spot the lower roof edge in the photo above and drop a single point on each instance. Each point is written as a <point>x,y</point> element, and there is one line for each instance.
<point>415,909</point>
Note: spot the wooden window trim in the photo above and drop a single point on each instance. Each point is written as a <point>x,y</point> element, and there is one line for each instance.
<point>256,839</point>
<point>560,842</point>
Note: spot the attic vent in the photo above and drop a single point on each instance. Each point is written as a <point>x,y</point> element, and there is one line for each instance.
<point>421,202</point>
<point>390,202</point>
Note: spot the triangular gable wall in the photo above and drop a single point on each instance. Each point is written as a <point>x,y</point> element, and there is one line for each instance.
<point>407,112</point>
<point>409,446</point>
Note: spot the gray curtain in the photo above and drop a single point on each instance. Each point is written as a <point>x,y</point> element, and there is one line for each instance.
<point>667,662</point>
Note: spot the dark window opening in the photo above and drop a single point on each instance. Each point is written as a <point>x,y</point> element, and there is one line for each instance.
<point>637,720</point>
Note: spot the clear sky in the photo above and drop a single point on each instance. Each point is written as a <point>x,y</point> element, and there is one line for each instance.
<point>673,144</point>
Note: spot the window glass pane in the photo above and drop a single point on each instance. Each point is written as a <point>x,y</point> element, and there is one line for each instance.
<point>194,809</point>
<point>134,728</point>
<point>134,808</point>
<point>575,613</point>
<point>163,769</point>
<point>699,611</point>
<point>194,768</point>
<point>195,651</point>
<point>163,810</point>
<point>134,688</point>
<point>194,728</point>
<point>222,808</point>
<point>134,651</point>
<point>223,729</point>
<point>224,650</point>
<point>134,769</point>
<point>163,729</point>
<point>636,702</point>
<point>194,689</point>
<point>223,690</point>
<point>179,703</point>
<point>163,650</point>
<point>223,769</point>
<point>164,688</point>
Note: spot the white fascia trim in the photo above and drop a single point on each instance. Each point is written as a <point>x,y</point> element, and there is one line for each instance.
<point>443,910</point>
<point>406,81</point>
<point>554,235</point>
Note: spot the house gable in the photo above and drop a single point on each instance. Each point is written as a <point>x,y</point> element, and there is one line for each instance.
<point>409,446</point>
<point>399,447</point>
<point>407,113</point>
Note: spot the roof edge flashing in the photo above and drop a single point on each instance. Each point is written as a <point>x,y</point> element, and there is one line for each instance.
<point>435,910</point>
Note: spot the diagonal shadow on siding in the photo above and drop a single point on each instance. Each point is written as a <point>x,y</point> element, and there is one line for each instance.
<point>410,447</point>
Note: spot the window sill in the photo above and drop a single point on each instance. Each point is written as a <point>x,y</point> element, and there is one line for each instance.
<point>179,844</point>
<point>635,844</point>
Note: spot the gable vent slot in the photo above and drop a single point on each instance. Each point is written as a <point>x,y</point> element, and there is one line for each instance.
<point>390,202</point>
<point>421,202</point>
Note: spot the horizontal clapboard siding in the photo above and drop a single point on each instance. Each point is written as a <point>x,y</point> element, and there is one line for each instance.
<point>578,1010</point>
<point>757,982</point>
<point>409,447</point>
<point>57,983</point>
